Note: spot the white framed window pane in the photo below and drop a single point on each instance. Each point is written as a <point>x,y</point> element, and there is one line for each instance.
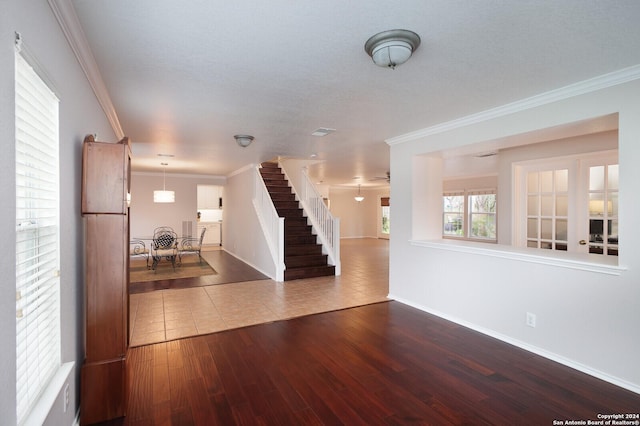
<point>561,229</point>
<point>613,202</point>
<point>612,182</point>
<point>562,205</point>
<point>453,225</point>
<point>546,226</point>
<point>596,178</point>
<point>562,180</point>
<point>483,226</point>
<point>546,205</point>
<point>532,182</point>
<point>532,205</point>
<point>546,181</point>
<point>37,237</point>
<point>532,228</point>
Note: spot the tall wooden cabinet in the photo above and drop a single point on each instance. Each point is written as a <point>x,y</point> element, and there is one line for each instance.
<point>106,180</point>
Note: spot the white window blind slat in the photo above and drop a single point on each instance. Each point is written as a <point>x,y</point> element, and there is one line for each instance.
<point>37,238</point>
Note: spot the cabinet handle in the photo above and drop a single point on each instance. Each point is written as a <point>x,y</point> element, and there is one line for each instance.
<point>582,242</point>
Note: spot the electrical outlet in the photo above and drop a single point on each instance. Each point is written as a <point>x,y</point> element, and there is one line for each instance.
<point>531,319</point>
<point>66,397</point>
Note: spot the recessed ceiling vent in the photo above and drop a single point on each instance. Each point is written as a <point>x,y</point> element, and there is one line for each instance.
<point>486,154</point>
<point>322,131</point>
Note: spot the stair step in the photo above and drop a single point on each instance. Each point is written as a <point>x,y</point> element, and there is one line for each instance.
<point>271,175</point>
<point>299,239</point>
<point>302,249</point>
<point>316,271</point>
<point>278,189</point>
<point>269,165</point>
<point>285,205</point>
<point>283,196</point>
<point>296,221</point>
<point>290,213</point>
<point>297,231</point>
<point>305,260</point>
<point>276,183</point>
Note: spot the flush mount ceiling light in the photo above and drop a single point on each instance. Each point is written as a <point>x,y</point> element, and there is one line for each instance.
<point>244,140</point>
<point>164,196</point>
<point>392,48</point>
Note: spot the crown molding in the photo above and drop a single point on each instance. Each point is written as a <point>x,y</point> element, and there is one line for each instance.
<point>586,86</point>
<point>68,20</point>
<point>182,175</point>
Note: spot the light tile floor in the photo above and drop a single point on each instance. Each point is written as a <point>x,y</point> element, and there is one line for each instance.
<point>165,315</point>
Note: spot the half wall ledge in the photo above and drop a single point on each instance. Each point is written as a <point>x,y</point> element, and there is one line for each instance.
<point>580,261</point>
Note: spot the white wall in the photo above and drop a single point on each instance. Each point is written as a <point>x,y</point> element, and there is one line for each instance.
<point>586,319</point>
<point>80,114</point>
<point>357,219</point>
<point>147,215</point>
<point>241,230</point>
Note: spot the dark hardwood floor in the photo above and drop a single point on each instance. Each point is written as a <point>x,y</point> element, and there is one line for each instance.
<point>228,270</point>
<point>385,363</point>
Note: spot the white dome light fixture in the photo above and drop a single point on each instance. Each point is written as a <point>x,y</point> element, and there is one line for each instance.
<point>392,48</point>
<point>244,140</point>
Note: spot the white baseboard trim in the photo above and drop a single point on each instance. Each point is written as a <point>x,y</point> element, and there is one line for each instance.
<point>527,347</point>
<point>249,263</point>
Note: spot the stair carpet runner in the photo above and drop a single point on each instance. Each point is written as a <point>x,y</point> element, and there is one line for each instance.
<point>303,256</point>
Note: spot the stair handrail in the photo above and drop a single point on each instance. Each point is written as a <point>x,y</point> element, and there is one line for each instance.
<point>326,227</point>
<point>272,225</point>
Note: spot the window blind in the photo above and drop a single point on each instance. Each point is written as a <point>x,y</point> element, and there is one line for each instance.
<point>37,237</point>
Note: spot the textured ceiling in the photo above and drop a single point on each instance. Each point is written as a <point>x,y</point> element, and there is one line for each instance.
<point>186,76</point>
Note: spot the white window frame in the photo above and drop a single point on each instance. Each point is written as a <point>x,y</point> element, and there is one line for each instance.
<point>38,337</point>
<point>467,214</point>
<point>577,218</point>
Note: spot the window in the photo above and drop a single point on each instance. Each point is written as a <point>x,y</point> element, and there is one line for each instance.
<point>470,214</point>
<point>603,208</point>
<point>547,209</point>
<point>37,237</point>
<point>453,224</point>
<point>569,204</point>
<point>386,215</point>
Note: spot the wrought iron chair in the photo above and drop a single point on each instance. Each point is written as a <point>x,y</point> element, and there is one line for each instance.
<point>164,245</point>
<point>137,248</point>
<point>191,245</point>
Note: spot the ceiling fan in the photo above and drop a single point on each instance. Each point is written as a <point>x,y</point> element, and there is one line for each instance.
<point>386,178</point>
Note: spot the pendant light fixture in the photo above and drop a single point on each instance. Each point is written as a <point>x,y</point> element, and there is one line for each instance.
<point>358,197</point>
<point>164,196</point>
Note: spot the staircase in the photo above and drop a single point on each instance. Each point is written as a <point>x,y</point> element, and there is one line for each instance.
<point>303,256</point>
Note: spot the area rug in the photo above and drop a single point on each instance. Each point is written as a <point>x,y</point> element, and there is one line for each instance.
<point>191,267</point>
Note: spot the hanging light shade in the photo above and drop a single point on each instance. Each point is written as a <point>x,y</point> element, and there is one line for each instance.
<point>358,197</point>
<point>392,48</point>
<point>164,196</point>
